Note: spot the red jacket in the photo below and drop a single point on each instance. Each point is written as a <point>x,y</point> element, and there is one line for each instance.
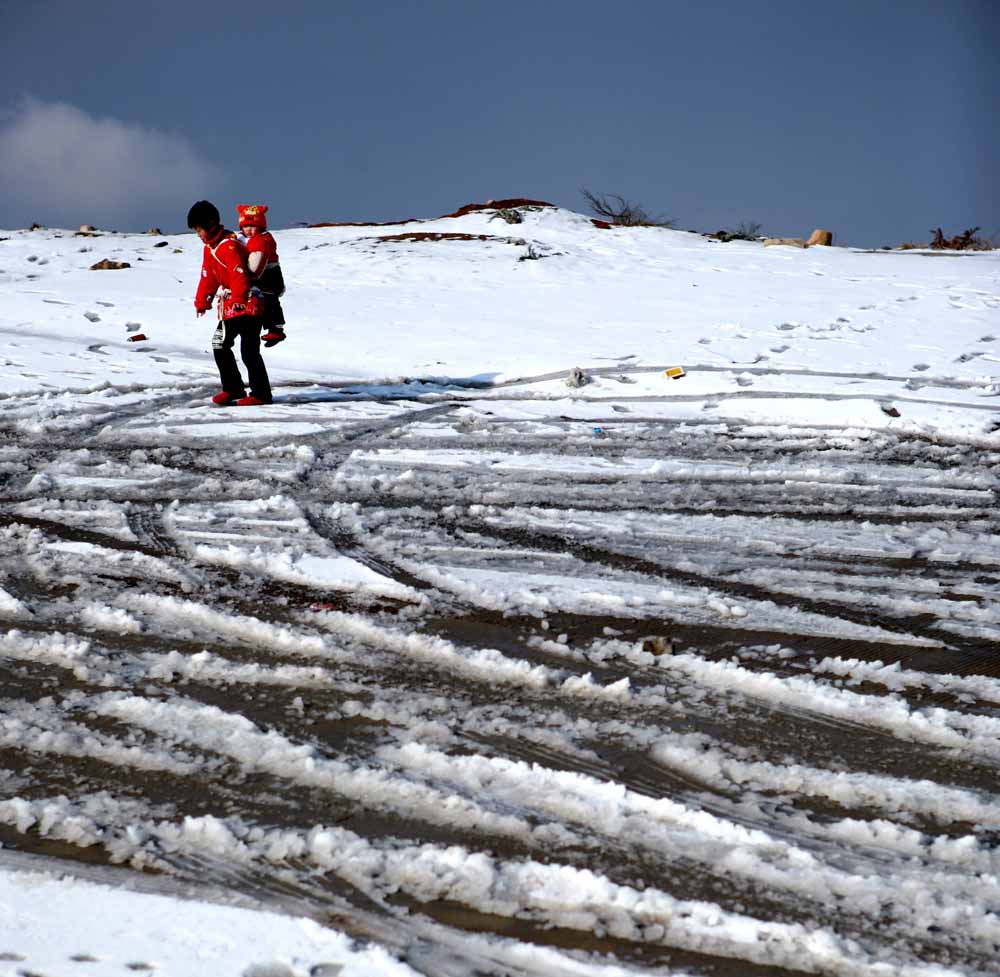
<point>224,265</point>
<point>264,242</point>
<point>263,264</point>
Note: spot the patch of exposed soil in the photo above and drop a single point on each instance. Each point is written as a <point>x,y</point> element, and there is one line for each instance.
<point>441,236</point>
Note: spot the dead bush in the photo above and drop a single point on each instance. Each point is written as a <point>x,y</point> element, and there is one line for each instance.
<point>509,214</point>
<point>745,231</point>
<point>966,241</point>
<point>621,212</point>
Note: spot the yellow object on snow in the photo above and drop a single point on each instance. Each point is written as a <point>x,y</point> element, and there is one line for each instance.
<point>675,372</point>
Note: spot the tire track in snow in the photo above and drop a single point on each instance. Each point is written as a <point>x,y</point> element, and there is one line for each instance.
<point>444,720</point>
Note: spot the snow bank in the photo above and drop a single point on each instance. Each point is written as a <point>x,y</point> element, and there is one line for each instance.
<point>62,925</point>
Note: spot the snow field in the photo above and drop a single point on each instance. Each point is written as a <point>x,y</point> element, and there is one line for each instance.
<point>682,676</point>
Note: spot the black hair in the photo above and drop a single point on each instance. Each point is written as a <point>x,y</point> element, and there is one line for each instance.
<point>205,215</point>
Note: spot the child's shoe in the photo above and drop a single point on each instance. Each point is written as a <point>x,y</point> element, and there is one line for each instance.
<point>252,401</point>
<point>273,336</point>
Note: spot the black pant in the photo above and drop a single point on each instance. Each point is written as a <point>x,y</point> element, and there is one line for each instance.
<point>274,315</point>
<point>247,327</point>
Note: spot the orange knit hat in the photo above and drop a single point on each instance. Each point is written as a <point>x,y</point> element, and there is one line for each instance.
<point>252,215</point>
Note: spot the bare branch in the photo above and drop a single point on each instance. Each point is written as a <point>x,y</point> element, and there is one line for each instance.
<point>966,241</point>
<point>621,212</point>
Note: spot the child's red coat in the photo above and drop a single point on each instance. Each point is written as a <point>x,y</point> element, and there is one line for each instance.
<point>265,243</point>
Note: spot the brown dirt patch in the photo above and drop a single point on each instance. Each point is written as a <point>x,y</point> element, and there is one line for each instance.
<point>408,220</point>
<point>439,236</point>
<point>508,204</point>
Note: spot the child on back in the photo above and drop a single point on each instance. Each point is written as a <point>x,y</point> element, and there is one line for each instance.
<point>224,266</point>
<point>265,270</point>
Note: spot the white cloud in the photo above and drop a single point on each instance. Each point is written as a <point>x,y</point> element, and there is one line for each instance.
<point>63,167</point>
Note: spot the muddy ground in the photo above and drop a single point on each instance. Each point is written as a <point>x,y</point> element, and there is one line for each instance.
<point>166,659</point>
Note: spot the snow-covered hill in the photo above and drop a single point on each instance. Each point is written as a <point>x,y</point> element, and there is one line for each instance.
<point>842,331</point>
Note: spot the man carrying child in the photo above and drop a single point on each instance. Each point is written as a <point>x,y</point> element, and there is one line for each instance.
<point>224,265</point>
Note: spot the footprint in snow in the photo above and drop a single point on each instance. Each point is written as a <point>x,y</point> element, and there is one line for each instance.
<point>965,357</point>
<point>987,339</point>
<point>744,380</point>
<point>787,326</point>
<point>107,305</point>
<point>908,298</point>
<point>780,349</point>
<point>921,366</point>
<point>705,342</point>
<point>92,316</point>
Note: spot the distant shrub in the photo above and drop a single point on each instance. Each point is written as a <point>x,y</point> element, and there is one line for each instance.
<point>509,214</point>
<point>745,231</point>
<point>621,212</point>
<point>966,241</point>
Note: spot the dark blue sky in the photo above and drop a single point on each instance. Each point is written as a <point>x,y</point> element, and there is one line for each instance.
<point>875,119</point>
